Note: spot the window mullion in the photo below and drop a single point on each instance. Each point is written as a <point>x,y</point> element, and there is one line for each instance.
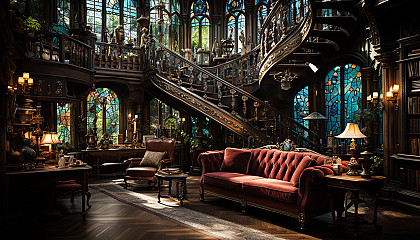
<point>342,97</point>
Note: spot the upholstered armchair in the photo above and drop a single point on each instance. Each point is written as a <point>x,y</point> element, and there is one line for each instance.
<point>141,169</point>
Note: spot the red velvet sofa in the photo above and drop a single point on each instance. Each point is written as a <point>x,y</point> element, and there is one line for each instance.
<point>290,183</point>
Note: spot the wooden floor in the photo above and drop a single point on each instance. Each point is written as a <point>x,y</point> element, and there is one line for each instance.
<point>111,219</point>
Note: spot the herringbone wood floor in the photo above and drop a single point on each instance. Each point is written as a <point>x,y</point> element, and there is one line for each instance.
<point>111,219</point>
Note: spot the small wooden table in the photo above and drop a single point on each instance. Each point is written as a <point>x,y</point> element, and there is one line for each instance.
<point>47,177</point>
<point>356,184</point>
<point>181,185</point>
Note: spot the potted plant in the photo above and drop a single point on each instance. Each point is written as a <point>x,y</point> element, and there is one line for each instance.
<point>31,26</point>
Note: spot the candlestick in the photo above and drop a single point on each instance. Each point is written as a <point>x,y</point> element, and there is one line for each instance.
<point>135,126</point>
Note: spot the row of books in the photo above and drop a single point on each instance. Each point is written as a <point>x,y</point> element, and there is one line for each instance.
<point>414,126</point>
<point>414,68</point>
<point>414,146</point>
<point>413,105</point>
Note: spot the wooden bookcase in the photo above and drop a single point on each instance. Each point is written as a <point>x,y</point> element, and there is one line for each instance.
<point>407,165</point>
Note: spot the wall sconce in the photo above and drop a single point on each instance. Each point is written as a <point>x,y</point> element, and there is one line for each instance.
<point>25,82</point>
<point>392,95</point>
<point>375,99</point>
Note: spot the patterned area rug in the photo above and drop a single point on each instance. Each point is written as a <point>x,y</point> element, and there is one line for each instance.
<point>200,221</point>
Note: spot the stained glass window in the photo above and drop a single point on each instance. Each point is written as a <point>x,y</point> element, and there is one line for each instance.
<point>171,22</point>
<point>63,122</point>
<point>200,7</point>
<point>166,113</point>
<point>301,106</point>
<point>112,15</point>
<point>104,112</point>
<point>130,17</point>
<point>94,17</point>
<point>235,22</point>
<point>342,95</point>
<point>200,25</point>
<point>261,15</point>
<point>63,16</point>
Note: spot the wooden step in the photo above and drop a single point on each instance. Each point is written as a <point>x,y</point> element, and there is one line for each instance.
<point>337,36</point>
<point>308,57</point>
<point>326,47</point>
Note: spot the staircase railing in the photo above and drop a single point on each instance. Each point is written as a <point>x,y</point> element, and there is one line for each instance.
<point>272,125</point>
<point>284,29</point>
<point>241,70</point>
<point>111,55</point>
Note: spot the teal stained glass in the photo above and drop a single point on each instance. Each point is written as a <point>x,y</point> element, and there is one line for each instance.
<point>130,17</point>
<point>107,106</point>
<point>301,106</point>
<point>63,122</point>
<point>94,17</point>
<point>233,5</point>
<point>352,91</point>
<point>260,1</point>
<point>333,100</point>
<point>200,7</point>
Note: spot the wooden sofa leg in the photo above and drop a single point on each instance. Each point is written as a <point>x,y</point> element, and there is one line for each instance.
<point>88,196</point>
<point>302,221</point>
<point>243,204</point>
<point>201,194</point>
<point>126,184</point>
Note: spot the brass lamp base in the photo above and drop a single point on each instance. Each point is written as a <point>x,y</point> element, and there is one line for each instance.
<point>353,167</point>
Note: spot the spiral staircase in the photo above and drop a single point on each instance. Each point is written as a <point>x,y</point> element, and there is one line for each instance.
<point>310,34</point>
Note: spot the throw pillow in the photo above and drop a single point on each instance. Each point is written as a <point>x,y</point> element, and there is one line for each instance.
<point>152,159</point>
<point>235,160</point>
<point>304,163</point>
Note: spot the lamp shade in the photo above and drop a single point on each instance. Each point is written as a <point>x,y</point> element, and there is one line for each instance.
<point>352,131</point>
<point>315,116</point>
<point>50,138</point>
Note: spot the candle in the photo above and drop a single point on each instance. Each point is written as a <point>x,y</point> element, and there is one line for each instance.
<point>135,126</point>
<point>375,95</point>
<point>126,133</point>
<point>395,88</point>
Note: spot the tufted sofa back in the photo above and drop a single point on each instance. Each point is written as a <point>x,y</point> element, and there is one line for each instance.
<point>275,164</point>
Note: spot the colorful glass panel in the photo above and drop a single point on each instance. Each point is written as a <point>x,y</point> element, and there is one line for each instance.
<point>301,106</point>
<point>261,15</point>
<point>195,34</point>
<point>233,5</point>
<point>130,17</point>
<point>94,17</point>
<point>205,34</point>
<point>63,15</point>
<point>112,15</point>
<point>63,122</point>
<point>107,106</point>
<point>200,7</point>
<point>241,27</point>
<point>333,101</point>
<point>352,91</point>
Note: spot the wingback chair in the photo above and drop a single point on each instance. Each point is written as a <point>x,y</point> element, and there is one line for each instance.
<point>137,172</point>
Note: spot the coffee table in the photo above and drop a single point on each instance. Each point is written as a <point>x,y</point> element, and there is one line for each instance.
<point>181,185</point>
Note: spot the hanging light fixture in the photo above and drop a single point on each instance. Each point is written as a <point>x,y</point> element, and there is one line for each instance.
<point>285,79</point>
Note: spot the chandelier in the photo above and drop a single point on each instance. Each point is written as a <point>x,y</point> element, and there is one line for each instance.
<point>285,79</point>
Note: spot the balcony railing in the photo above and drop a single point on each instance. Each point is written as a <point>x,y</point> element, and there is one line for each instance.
<point>109,55</point>
<point>56,47</point>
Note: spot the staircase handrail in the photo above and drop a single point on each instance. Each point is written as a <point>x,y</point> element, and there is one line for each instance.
<point>231,86</point>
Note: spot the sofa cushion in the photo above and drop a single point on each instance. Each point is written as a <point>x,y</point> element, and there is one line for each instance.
<point>303,164</point>
<point>152,159</point>
<point>141,171</point>
<point>228,180</point>
<point>271,188</point>
<point>235,160</point>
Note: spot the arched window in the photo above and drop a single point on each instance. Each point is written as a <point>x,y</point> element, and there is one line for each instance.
<point>262,12</point>
<point>235,16</point>
<point>63,122</point>
<point>200,25</point>
<point>343,91</point>
<point>103,112</point>
<point>168,10</point>
<point>301,106</point>
<point>95,10</point>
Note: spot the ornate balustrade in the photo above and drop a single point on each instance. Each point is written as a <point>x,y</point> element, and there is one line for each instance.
<point>239,71</point>
<point>284,29</point>
<point>109,55</point>
<point>268,125</point>
<point>56,47</point>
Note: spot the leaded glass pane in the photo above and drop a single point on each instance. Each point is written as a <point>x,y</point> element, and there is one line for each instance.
<point>112,15</point>
<point>94,17</point>
<point>63,122</point>
<point>261,15</point>
<point>63,16</point>
<point>333,101</point>
<point>174,6</point>
<point>205,34</point>
<point>200,7</point>
<point>154,116</point>
<point>195,33</point>
<point>233,5</point>
<point>241,27</point>
<point>130,17</point>
<point>105,103</point>
<point>352,91</point>
<point>175,31</point>
<point>301,106</point>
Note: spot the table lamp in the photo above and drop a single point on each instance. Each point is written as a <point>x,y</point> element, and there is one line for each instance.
<point>352,131</point>
<point>50,139</point>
